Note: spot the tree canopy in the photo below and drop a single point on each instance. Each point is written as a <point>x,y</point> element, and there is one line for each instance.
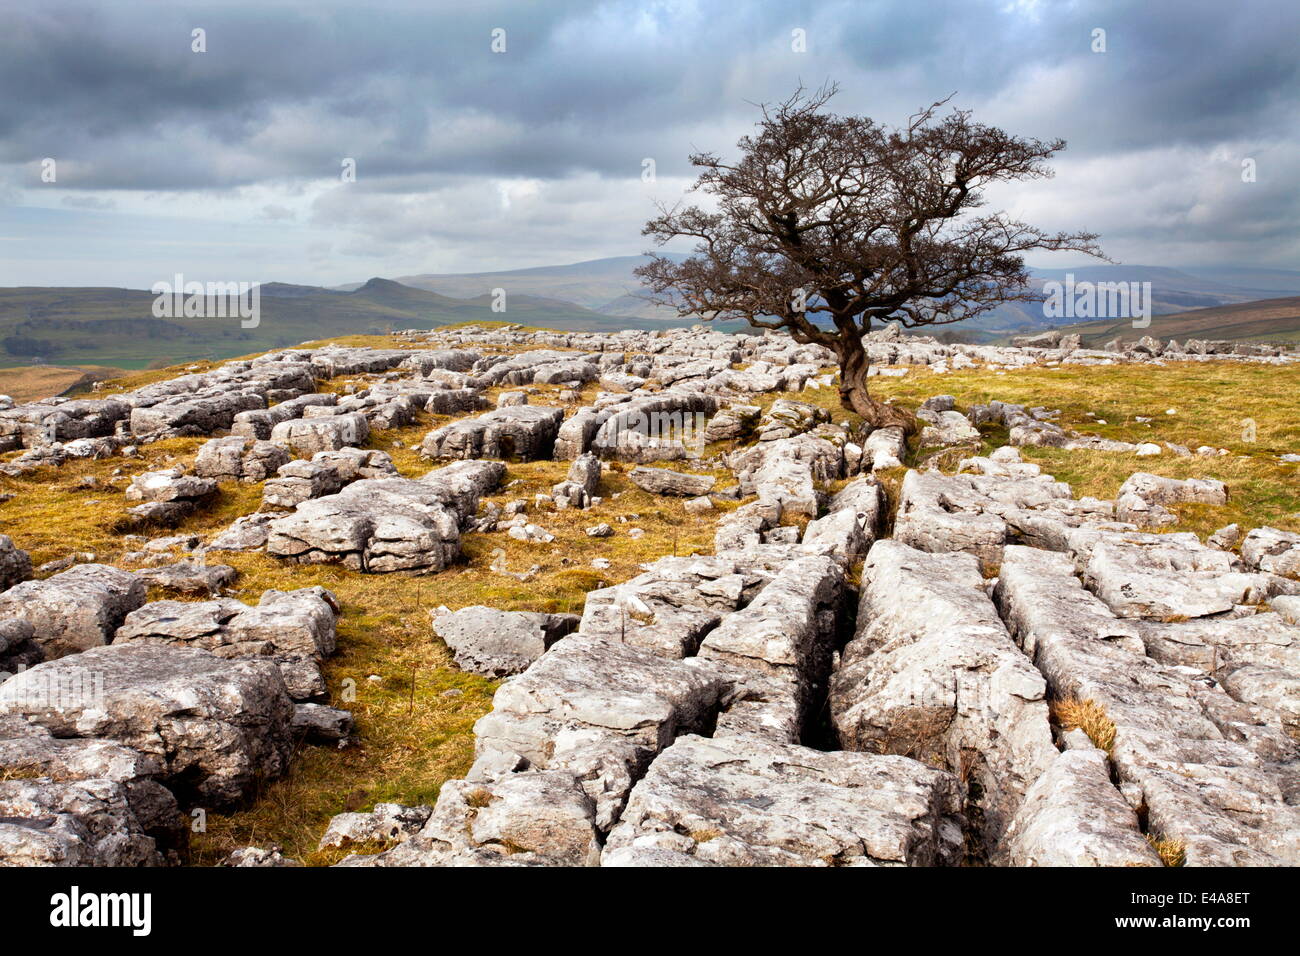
<point>828,226</point>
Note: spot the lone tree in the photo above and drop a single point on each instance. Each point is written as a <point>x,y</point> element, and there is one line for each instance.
<point>828,224</point>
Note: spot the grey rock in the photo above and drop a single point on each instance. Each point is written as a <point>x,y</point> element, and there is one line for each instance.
<point>307,436</point>
<point>318,723</point>
<point>386,823</point>
<point>1268,549</point>
<point>170,485</point>
<point>1074,816</point>
<point>520,431</point>
<point>237,457</point>
<point>599,710</point>
<point>218,726</point>
<point>85,823</point>
<point>77,609</point>
<point>259,857</point>
<point>392,524</point>
<point>190,578</point>
<point>933,673</point>
<point>15,563</point>
<point>663,481</point>
<point>484,640</point>
<point>744,801</point>
<point>519,819</point>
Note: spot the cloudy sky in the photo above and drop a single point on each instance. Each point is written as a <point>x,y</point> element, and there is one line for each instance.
<point>227,164</point>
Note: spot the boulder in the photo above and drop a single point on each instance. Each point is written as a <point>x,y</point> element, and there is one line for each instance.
<point>663,481</point>
<point>386,823</point>
<point>539,818</point>
<point>92,822</point>
<point>387,524</point>
<point>526,432</point>
<point>76,609</point>
<point>1074,816</point>
<point>493,643</point>
<point>218,726</point>
<point>307,436</point>
<point>15,563</point>
<point>238,458</point>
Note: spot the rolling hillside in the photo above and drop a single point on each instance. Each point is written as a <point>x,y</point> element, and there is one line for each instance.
<point>96,326</point>
<point>1266,320</point>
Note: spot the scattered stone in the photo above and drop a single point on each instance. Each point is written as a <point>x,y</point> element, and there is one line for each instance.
<point>386,823</point>
<point>663,481</point>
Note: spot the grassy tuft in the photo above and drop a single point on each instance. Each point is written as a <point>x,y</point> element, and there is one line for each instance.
<point>1172,852</point>
<point>1088,716</point>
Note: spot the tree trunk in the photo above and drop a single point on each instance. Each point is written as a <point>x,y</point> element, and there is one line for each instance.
<point>854,395</point>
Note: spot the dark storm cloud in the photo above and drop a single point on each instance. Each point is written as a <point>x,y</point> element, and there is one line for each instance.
<point>585,90</point>
<point>583,86</point>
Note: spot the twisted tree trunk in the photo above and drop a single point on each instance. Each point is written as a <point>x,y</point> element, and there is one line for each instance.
<point>854,395</point>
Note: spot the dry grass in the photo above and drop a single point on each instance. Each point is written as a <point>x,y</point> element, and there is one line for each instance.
<point>31,383</point>
<point>1088,716</point>
<point>20,773</point>
<point>1172,852</point>
<point>1210,400</point>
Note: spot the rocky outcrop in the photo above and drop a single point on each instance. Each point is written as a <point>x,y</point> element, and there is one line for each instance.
<point>932,673</point>
<point>216,726</point>
<point>600,711</point>
<point>326,473</point>
<point>743,801</point>
<point>307,436</point>
<point>526,432</point>
<point>76,609</point>
<point>1201,768</point>
<point>387,524</point>
<point>168,496</point>
<point>93,822</point>
<point>236,458</point>
<point>296,629</point>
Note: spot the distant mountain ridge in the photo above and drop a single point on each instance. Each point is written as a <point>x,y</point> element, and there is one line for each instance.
<point>608,286</point>
<point>105,326</point>
<point>605,285</point>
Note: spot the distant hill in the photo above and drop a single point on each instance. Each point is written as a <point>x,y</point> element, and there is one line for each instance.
<point>1265,320</point>
<point>116,327</point>
<point>85,326</point>
<point>1172,291</point>
<point>29,383</point>
<point>601,285</point>
<point>608,286</point>
<point>1251,280</point>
